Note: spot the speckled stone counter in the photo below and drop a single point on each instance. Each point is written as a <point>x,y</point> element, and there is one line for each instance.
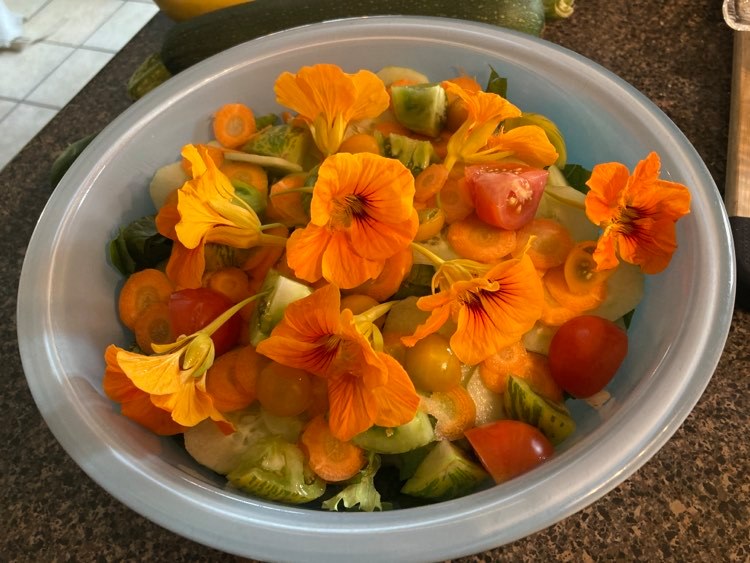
<point>690,502</point>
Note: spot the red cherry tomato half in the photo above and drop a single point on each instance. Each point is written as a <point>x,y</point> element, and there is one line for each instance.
<point>192,309</point>
<point>506,196</point>
<point>508,448</point>
<point>585,354</point>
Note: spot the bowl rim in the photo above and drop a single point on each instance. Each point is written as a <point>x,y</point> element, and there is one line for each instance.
<point>264,530</point>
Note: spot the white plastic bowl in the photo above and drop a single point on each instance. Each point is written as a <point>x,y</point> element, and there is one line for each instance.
<point>67,313</point>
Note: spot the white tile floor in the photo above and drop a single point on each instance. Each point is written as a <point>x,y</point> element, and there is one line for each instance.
<point>73,40</point>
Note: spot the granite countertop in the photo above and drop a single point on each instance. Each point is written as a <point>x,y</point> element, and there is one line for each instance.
<point>688,503</point>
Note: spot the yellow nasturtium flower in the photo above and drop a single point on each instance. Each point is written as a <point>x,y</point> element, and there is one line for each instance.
<point>328,100</point>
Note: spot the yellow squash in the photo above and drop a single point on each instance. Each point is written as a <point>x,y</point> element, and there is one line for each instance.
<point>181,10</point>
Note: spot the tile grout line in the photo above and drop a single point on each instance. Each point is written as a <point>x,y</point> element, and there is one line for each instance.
<point>73,48</point>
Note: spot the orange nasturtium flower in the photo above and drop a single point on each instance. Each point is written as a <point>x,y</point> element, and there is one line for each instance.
<point>528,143</point>
<point>361,215</point>
<point>208,211</point>
<point>173,379</point>
<point>328,99</point>
<point>365,386</point>
<point>134,403</point>
<point>637,213</point>
<point>485,112</point>
<point>492,305</point>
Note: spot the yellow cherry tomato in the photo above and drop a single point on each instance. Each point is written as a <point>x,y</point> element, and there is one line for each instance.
<point>432,365</point>
<point>580,269</point>
<point>431,221</point>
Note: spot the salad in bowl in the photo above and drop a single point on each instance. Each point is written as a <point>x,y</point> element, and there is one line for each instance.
<point>387,294</point>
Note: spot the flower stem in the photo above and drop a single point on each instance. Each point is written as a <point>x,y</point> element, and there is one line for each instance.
<point>214,325</point>
<point>271,226</point>
<point>303,190</point>
<point>374,313</point>
<point>431,256</point>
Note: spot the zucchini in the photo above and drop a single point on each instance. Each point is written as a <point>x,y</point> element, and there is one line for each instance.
<point>65,159</point>
<point>196,39</point>
<point>149,74</point>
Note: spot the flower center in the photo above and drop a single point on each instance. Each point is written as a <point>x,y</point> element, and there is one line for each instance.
<point>347,208</point>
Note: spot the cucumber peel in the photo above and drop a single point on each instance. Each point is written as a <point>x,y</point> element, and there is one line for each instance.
<point>420,107</point>
<point>553,419</point>
<point>279,292</point>
<point>414,434</point>
<point>445,473</point>
<point>275,469</point>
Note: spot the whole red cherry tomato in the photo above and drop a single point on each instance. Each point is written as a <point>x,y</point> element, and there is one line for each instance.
<point>506,196</point>
<point>585,354</point>
<point>508,448</point>
<point>192,309</point>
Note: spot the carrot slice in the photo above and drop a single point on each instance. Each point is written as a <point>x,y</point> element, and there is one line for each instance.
<point>233,125</point>
<point>468,83</point>
<point>231,379</point>
<point>153,327</point>
<point>454,410</point>
<point>440,143</point>
<point>455,196</point>
<point>430,181</point>
<point>230,281</point>
<point>389,280</point>
<point>474,239</point>
<point>549,246</point>
<point>539,378</point>
<point>247,173</point>
<point>495,370</point>
<point>287,208</point>
<point>553,313</point>
<point>141,290</point>
<point>360,142</point>
<point>387,127</point>
<point>554,281</point>
<point>330,458</point>
<point>580,270</point>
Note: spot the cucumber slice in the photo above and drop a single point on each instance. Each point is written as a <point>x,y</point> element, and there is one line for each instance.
<point>414,434</point>
<point>283,142</point>
<point>420,107</point>
<point>280,291</point>
<point>415,154</point>
<point>624,291</point>
<point>166,180</point>
<point>553,419</point>
<point>221,452</point>
<point>538,338</point>
<point>391,74</point>
<point>565,205</point>
<point>274,162</point>
<point>438,246</point>
<point>444,474</point>
<point>250,196</point>
<point>288,427</point>
<point>275,469</point>
<point>417,283</point>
